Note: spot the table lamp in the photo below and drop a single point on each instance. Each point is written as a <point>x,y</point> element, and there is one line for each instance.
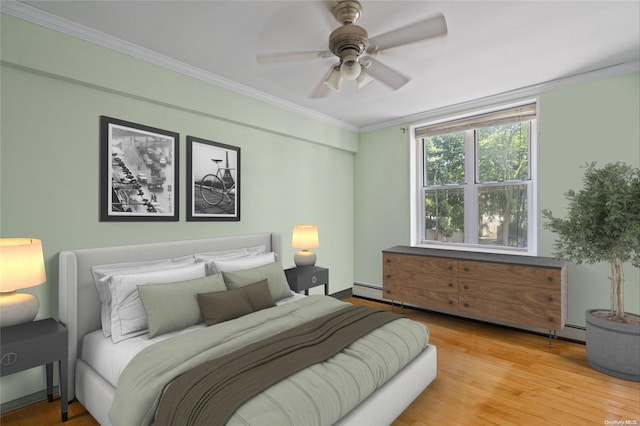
<point>21,266</point>
<point>305,237</point>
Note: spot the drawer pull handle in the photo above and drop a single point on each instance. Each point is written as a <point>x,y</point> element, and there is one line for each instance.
<point>466,269</point>
<point>388,260</point>
<point>388,291</point>
<point>550,299</point>
<point>466,287</point>
<point>466,305</point>
<point>550,319</point>
<point>9,359</point>
<point>451,302</point>
<point>388,275</point>
<point>450,284</point>
<point>450,267</point>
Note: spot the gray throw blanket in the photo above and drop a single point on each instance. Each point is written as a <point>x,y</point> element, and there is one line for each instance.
<point>210,393</point>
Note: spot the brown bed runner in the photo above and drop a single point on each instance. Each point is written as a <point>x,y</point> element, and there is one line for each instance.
<point>210,393</point>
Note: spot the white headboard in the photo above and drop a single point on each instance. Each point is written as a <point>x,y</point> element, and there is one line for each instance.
<point>78,302</point>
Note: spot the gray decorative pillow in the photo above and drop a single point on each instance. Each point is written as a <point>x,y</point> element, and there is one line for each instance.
<point>258,295</point>
<point>223,306</point>
<point>272,272</point>
<point>174,306</point>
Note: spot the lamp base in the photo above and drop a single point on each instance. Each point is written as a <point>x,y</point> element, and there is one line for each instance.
<point>17,308</point>
<point>305,258</point>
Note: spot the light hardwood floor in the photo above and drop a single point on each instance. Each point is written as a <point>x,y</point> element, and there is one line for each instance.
<point>487,375</point>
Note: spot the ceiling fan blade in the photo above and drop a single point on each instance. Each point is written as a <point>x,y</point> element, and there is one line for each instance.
<point>293,57</point>
<point>428,28</point>
<point>364,79</point>
<point>384,74</point>
<point>321,91</point>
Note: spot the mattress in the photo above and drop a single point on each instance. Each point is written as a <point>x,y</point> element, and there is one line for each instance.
<point>109,359</point>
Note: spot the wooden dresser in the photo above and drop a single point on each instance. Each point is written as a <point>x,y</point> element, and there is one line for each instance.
<point>523,290</point>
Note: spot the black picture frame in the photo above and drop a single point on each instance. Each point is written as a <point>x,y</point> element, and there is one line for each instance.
<point>213,181</point>
<point>139,174</point>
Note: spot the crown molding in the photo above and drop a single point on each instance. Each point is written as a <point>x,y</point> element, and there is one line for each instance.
<point>510,96</point>
<point>47,20</point>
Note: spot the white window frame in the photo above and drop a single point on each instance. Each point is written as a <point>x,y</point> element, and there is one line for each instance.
<point>417,207</point>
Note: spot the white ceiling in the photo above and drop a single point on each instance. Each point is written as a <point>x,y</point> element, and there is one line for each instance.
<point>492,47</point>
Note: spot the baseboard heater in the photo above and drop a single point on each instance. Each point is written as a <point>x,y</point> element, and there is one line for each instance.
<point>571,332</point>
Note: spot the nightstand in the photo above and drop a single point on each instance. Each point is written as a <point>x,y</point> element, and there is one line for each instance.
<point>304,277</point>
<point>33,344</point>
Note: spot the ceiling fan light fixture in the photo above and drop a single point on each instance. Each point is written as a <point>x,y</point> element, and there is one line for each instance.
<point>350,68</point>
<point>334,79</point>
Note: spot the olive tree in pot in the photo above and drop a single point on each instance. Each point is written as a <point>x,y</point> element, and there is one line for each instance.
<point>603,225</point>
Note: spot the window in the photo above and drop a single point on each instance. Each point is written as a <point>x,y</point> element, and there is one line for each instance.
<point>475,183</point>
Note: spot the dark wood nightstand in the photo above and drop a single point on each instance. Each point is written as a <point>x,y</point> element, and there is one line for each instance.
<point>304,277</point>
<point>33,344</point>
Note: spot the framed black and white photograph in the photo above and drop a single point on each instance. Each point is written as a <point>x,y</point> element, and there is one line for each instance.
<point>138,172</point>
<point>213,179</point>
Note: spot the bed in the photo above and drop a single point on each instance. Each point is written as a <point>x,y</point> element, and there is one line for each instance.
<point>81,310</point>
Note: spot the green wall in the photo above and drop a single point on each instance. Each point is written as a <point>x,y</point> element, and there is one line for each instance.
<point>54,88</point>
<point>596,121</point>
<point>294,169</point>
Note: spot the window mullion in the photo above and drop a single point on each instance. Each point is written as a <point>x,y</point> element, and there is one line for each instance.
<point>470,191</point>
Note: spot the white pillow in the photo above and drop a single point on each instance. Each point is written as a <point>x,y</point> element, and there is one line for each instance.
<point>229,254</point>
<point>128,317</point>
<point>210,257</point>
<point>244,262</point>
<point>102,273</point>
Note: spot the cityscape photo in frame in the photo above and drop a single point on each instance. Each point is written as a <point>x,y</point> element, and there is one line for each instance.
<point>213,181</point>
<point>138,172</point>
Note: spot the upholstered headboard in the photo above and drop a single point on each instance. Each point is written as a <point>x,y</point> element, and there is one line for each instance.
<point>78,301</point>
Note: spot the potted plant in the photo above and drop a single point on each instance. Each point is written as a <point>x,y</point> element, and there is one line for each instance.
<point>603,225</point>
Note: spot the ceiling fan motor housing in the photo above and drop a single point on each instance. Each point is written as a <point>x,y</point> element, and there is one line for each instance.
<point>348,37</point>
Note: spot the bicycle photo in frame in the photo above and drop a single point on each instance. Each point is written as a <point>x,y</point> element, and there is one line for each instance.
<point>138,172</point>
<point>213,179</point>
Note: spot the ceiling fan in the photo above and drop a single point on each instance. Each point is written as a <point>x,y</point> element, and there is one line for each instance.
<point>356,52</point>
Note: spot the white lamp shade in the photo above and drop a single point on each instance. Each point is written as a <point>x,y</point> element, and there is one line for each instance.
<point>305,237</point>
<point>21,263</point>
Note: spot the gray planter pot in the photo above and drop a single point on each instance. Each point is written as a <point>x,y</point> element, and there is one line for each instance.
<point>613,348</point>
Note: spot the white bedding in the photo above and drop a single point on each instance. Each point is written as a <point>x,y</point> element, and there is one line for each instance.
<point>109,359</point>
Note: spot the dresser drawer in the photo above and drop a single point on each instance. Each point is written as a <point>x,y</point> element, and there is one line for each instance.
<point>422,264</point>
<point>306,277</point>
<point>510,294</point>
<point>550,319</point>
<point>515,275</point>
<point>415,280</point>
<point>423,297</point>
